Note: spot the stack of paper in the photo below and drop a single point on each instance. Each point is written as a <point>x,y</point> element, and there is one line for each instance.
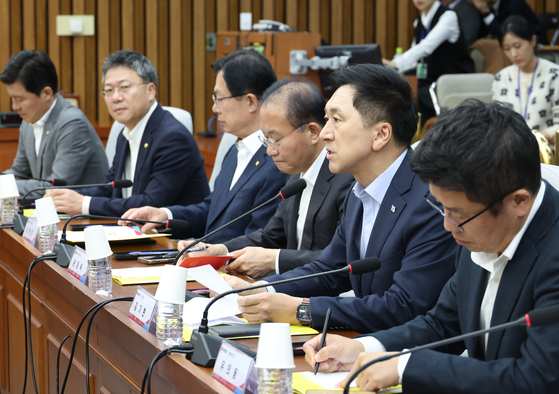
<point>138,275</point>
<point>304,381</point>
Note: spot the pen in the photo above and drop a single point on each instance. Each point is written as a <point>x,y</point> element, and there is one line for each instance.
<point>324,331</point>
<point>198,248</point>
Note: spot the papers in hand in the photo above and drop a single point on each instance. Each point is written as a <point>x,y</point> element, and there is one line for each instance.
<point>208,277</point>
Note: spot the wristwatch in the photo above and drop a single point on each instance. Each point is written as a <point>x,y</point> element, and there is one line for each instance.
<point>304,312</point>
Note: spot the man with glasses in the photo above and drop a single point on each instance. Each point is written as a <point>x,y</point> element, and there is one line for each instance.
<point>291,118</point>
<point>482,164</point>
<point>248,177</point>
<point>154,150</point>
<point>370,121</point>
<point>55,138</point>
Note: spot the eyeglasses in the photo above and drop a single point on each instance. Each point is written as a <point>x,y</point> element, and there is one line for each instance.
<point>459,226</point>
<point>123,89</point>
<point>269,142</point>
<point>218,100</point>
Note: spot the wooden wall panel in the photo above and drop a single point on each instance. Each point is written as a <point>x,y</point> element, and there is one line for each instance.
<point>172,34</point>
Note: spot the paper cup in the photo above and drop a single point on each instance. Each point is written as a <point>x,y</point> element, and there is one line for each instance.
<point>46,212</point>
<point>96,243</point>
<point>274,347</point>
<point>8,186</point>
<point>172,286</point>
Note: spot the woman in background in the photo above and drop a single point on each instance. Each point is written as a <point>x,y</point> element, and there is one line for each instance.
<point>530,84</point>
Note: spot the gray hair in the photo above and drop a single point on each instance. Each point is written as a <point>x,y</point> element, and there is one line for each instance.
<point>134,61</point>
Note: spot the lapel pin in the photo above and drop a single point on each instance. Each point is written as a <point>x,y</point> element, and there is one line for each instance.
<point>48,132</point>
<point>146,145</point>
<point>393,209</point>
<point>257,163</point>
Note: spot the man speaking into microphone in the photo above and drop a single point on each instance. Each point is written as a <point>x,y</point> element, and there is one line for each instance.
<point>370,122</point>
<point>482,165</point>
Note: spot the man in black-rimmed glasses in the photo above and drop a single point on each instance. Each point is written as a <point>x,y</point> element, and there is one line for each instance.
<point>482,165</point>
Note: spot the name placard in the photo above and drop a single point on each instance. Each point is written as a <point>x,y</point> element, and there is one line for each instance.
<point>232,368</point>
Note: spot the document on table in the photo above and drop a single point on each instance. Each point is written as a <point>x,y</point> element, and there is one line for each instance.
<point>114,233</point>
<point>303,381</point>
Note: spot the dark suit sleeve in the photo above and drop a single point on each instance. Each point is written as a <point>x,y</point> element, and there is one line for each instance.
<point>196,215</point>
<point>174,161</point>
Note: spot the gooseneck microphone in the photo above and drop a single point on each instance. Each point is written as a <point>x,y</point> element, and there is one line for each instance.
<point>65,251</point>
<point>537,317</point>
<point>206,346</point>
<point>287,191</point>
<point>52,181</point>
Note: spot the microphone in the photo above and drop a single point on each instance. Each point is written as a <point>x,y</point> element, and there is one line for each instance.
<point>537,317</point>
<point>206,346</point>
<point>52,181</point>
<point>65,251</point>
<point>287,191</point>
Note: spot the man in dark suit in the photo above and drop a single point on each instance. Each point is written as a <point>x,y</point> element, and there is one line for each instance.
<point>468,17</point>
<point>154,150</point>
<point>371,119</point>
<point>55,138</point>
<point>291,118</point>
<point>495,12</point>
<point>248,177</point>
<point>482,164</point>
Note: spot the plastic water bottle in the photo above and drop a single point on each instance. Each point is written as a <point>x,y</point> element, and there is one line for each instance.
<point>100,276</point>
<point>168,323</point>
<point>8,208</point>
<point>48,235</point>
<point>275,381</point>
<point>399,52</point>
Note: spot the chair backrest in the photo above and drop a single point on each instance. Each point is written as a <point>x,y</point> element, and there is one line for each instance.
<point>453,89</point>
<point>227,140</point>
<point>180,114</point>
<point>551,174</point>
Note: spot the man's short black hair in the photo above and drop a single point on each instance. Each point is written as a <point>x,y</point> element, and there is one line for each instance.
<point>302,101</point>
<point>33,69</point>
<point>134,61</point>
<point>245,71</point>
<point>484,150</point>
<point>381,94</point>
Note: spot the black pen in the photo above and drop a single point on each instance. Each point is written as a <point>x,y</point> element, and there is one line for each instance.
<point>324,331</point>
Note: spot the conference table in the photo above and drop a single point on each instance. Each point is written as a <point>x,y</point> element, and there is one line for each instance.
<point>120,350</point>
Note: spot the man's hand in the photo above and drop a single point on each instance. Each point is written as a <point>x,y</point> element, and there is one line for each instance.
<point>213,250</point>
<point>266,307</point>
<point>377,376</point>
<point>66,200</point>
<point>482,6</point>
<point>145,213</point>
<point>338,354</point>
<point>389,63</point>
<point>237,283</point>
<point>253,261</point>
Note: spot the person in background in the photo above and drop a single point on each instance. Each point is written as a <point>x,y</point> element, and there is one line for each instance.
<point>495,12</point>
<point>55,138</point>
<point>154,150</point>
<point>248,177</point>
<point>439,47</point>
<point>530,84</point>
<point>291,118</point>
<point>468,16</point>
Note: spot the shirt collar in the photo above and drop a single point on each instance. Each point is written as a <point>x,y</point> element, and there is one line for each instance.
<point>251,142</point>
<point>495,6</point>
<point>453,4</point>
<point>426,19</point>
<point>136,134</point>
<point>311,175</point>
<point>43,121</point>
<point>488,261</point>
<point>378,188</point>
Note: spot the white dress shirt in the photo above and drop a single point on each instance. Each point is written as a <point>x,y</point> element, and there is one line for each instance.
<point>446,29</point>
<point>134,138</point>
<point>310,176</point>
<point>495,265</point>
<point>39,126</point>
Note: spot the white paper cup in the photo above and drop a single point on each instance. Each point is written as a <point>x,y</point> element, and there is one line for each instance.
<point>274,347</point>
<point>8,186</point>
<point>172,286</point>
<point>96,243</point>
<point>46,212</point>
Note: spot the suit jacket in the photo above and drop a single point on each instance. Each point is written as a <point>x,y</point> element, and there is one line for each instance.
<point>323,217</point>
<point>169,169</point>
<point>416,252</point>
<point>259,182</point>
<point>513,7</point>
<point>70,149</point>
<point>519,359</point>
<point>469,19</point>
